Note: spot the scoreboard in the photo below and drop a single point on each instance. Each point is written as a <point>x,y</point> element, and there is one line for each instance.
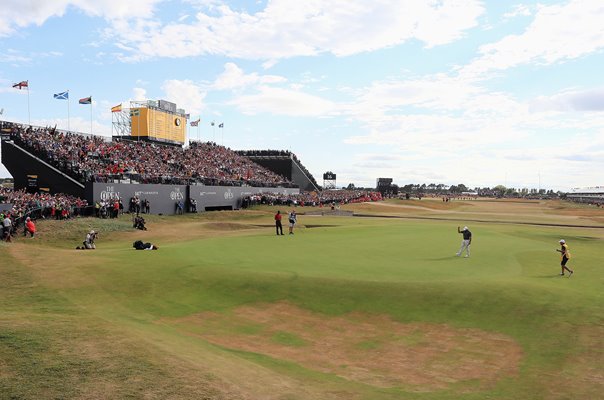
<point>162,123</point>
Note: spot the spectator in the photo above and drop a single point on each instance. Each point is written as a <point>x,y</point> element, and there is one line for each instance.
<point>30,227</point>
<point>7,225</point>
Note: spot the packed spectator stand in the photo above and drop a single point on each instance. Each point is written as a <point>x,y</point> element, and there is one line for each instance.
<point>279,153</point>
<point>94,159</point>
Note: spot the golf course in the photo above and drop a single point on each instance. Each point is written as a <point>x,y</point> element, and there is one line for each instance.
<point>370,306</point>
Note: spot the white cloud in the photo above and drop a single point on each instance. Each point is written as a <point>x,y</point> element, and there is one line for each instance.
<point>571,100</point>
<point>16,14</point>
<point>279,101</point>
<point>76,124</point>
<point>186,94</point>
<point>234,77</point>
<point>519,10</point>
<point>139,94</point>
<point>289,28</point>
<point>558,33</point>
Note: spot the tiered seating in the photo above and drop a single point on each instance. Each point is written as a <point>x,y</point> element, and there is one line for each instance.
<point>95,159</point>
<point>279,154</point>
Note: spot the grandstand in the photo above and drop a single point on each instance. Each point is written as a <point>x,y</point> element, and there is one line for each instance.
<point>283,163</point>
<point>79,165</point>
<point>594,194</point>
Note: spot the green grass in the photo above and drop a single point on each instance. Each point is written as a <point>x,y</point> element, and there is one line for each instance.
<point>403,269</point>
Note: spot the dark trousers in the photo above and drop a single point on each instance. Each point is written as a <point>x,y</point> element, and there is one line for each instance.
<point>279,227</point>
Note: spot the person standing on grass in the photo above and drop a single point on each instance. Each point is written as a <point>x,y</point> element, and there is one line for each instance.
<point>466,242</point>
<point>565,256</point>
<point>278,225</point>
<point>7,226</point>
<point>292,221</point>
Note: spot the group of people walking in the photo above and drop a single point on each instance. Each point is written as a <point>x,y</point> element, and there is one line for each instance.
<point>292,219</point>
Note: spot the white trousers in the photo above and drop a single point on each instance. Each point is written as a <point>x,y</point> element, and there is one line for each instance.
<point>465,245</point>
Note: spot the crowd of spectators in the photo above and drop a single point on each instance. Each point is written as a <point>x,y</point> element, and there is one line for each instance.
<point>314,199</point>
<point>93,158</point>
<point>42,205</point>
<point>24,207</point>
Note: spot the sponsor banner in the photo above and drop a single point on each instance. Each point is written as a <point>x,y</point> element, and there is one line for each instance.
<point>162,198</point>
<point>5,207</point>
<point>229,196</point>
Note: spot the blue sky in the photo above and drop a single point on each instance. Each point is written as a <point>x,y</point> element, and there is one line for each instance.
<point>436,91</point>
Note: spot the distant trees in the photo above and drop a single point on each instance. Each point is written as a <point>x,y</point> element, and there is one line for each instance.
<point>417,189</point>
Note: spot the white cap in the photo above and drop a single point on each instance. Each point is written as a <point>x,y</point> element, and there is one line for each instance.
<point>465,228</point>
<point>92,232</point>
<point>562,241</point>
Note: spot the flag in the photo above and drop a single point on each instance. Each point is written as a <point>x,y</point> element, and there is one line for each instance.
<point>135,112</point>
<point>212,124</point>
<point>86,100</point>
<point>21,85</point>
<point>2,111</point>
<point>195,123</point>
<point>221,125</point>
<point>117,108</point>
<point>61,96</point>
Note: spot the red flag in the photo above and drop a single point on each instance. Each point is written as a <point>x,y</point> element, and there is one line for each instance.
<point>21,85</point>
<point>86,100</point>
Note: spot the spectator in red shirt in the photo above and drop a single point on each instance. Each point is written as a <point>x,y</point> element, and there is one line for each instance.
<point>116,208</point>
<point>30,227</point>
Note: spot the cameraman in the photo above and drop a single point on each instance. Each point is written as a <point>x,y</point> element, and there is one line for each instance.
<point>89,241</point>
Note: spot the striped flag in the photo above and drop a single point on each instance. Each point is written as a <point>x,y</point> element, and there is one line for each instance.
<point>21,85</point>
<point>221,125</point>
<point>195,123</point>
<point>117,108</point>
<point>86,100</point>
<point>61,96</point>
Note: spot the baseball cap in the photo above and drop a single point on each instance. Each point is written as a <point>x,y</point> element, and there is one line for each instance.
<point>562,241</point>
<point>465,228</point>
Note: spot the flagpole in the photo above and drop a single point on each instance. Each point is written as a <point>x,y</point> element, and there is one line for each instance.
<point>68,125</point>
<point>91,116</point>
<point>198,122</point>
<point>28,110</point>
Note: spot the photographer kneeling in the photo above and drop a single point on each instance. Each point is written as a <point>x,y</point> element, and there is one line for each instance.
<point>139,245</point>
<point>88,243</point>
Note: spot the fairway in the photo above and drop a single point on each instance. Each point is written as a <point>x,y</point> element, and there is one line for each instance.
<point>374,307</point>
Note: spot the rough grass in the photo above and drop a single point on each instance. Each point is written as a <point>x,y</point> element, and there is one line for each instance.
<point>184,322</point>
